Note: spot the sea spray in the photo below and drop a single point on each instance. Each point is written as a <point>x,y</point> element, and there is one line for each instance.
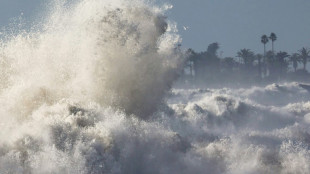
<point>116,53</point>
<point>77,95</point>
<point>57,78</point>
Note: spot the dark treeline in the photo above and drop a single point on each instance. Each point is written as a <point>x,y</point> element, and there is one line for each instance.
<point>246,67</point>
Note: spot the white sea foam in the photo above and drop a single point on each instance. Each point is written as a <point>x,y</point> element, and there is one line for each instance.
<point>87,92</point>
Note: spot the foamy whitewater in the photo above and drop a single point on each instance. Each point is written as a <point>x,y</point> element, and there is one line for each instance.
<point>88,91</point>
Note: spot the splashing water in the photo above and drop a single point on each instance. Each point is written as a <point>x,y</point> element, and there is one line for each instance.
<point>116,53</point>
<point>109,52</point>
<point>85,93</point>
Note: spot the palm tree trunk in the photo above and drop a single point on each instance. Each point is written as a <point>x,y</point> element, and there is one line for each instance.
<point>259,69</point>
<point>265,61</point>
<point>281,70</point>
<point>191,68</point>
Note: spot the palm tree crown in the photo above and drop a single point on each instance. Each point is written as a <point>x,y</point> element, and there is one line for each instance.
<point>281,57</point>
<point>295,59</point>
<point>273,37</point>
<point>247,56</point>
<point>264,39</point>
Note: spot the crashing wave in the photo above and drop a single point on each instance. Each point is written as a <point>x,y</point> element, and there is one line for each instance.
<point>85,93</point>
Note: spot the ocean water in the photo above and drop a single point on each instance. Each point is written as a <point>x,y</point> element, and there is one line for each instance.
<point>89,90</point>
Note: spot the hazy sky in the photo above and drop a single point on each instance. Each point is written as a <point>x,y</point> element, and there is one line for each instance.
<point>234,24</point>
<point>237,24</point>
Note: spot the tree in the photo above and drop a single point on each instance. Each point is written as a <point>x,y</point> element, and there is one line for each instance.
<point>282,62</point>
<point>264,40</point>
<point>228,64</point>
<point>259,61</point>
<point>212,61</point>
<point>248,58</point>
<point>270,64</point>
<point>273,38</point>
<point>304,55</point>
<point>192,55</point>
<point>295,59</point>
<point>206,63</point>
<point>212,49</point>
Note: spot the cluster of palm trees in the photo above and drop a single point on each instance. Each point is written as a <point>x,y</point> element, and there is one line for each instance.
<point>265,40</point>
<point>301,57</point>
<point>270,65</point>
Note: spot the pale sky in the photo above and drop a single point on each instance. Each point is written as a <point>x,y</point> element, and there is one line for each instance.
<point>234,24</point>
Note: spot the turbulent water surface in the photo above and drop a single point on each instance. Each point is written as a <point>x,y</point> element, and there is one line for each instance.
<point>88,91</point>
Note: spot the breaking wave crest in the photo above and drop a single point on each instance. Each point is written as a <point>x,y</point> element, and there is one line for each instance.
<point>89,92</point>
<point>118,53</point>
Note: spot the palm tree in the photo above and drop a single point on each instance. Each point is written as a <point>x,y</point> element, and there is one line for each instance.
<point>282,62</point>
<point>304,55</point>
<point>191,59</point>
<point>295,59</point>
<point>264,40</point>
<point>273,38</point>
<point>259,60</point>
<point>228,64</point>
<point>247,56</point>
